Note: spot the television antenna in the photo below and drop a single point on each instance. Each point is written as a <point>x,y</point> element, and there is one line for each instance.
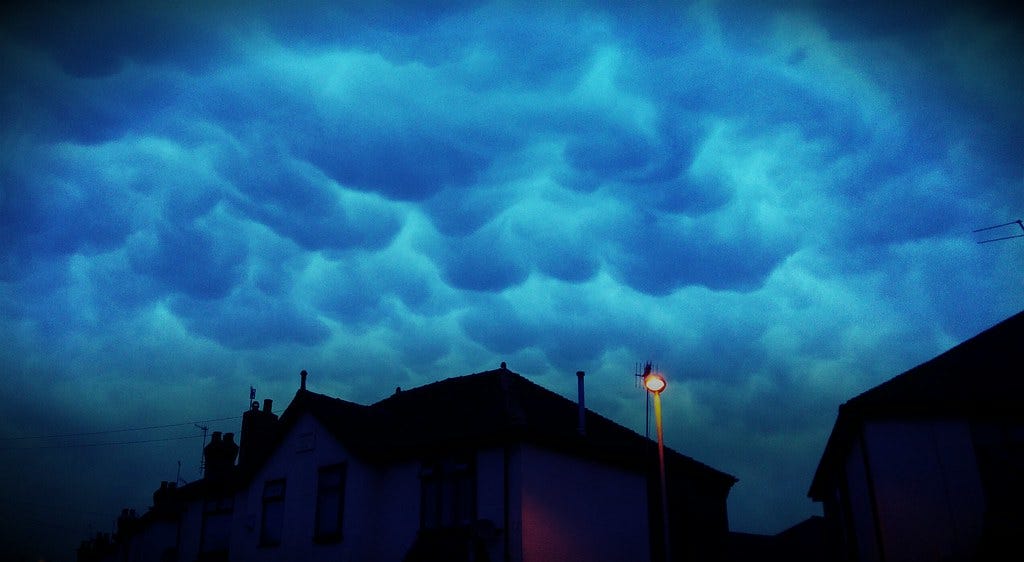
<point>639,380</point>
<point>998,237</point>
<point>178,480</point>
<point>202,457</point>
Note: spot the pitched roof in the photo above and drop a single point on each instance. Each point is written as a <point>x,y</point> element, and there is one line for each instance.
<point>488,408</point>
<point>978,378</point>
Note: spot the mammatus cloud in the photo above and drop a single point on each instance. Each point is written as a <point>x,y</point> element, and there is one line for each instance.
<point>774,206</point>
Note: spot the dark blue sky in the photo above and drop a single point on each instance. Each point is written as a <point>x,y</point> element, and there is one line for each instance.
<point>774,206</point>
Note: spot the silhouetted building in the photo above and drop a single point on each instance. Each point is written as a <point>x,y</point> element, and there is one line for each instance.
<point>807,541</point>
<point>487,466</point>
<point>219,456</point>
<point>930,464</point>
<point>258,428</point>
<point>97,549</point>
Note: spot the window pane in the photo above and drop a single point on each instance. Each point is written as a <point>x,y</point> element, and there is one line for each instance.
<point>327,514</point>
<point>465,500</point>
<point>273,489</point>
<point>430,498</point>
<point>272,519</point>
<point>447,493</point>
<point>330,502</point>
<point>330,479</point>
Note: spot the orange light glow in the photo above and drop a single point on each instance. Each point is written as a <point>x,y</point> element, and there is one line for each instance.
<point>655,383</point>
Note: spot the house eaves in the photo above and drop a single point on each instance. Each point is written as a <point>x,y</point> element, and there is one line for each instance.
<point>490,408</point>
<point>978,379</point>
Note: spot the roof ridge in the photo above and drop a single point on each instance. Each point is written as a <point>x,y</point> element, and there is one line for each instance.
<point>970,379</point>
<point>932,370</point>
<point>400,392</point>
<point>484,407</point>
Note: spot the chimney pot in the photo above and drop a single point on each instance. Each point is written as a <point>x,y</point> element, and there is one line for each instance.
<point>302,384</point>
<point>219,455</point>
<point>257,433</point>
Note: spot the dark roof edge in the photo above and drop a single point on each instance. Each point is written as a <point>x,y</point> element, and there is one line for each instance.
<point>852,413</point>
<point>304,398</point>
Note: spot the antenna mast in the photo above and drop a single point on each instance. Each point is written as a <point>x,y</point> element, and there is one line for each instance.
<point>178,480</point>
<point>202,457</point>
<point>1017,222</point>
<point>639,379</point>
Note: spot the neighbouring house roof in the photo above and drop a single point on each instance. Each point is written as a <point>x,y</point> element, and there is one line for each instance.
<point>489,408</point>
<point>979,378</point>
<point>808,540</point>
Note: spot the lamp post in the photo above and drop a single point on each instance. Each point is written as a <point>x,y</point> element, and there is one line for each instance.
<point>655,384</point>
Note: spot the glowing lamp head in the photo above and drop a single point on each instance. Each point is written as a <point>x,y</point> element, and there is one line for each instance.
<point>655,383</point>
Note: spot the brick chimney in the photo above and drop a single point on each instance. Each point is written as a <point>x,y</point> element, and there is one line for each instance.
<point>259,428</point>
<point>220,455</point>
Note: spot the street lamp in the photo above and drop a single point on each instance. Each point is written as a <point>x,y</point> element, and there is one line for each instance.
<point>655,384</point>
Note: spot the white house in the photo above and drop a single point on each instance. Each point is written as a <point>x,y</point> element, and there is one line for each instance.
<point>929,465</point>
<point>488,466</point>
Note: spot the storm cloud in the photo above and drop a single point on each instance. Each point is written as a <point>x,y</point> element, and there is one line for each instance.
<point>774,206</point>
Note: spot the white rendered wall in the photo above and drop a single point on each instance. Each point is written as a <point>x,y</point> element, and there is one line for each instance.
<point>394,511</point>
<point>573,509</point>
<point>560,507</point>
<point>928,490</point>
<point>153,541</point>
<point>191,528</point>
<point>862,515</point>
<point>304,450</point>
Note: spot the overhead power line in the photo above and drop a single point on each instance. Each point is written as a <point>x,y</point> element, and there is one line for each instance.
<point>101,444</point>
<point>47,507</point>
<point>1004,235</point>
<point>106,431</point>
